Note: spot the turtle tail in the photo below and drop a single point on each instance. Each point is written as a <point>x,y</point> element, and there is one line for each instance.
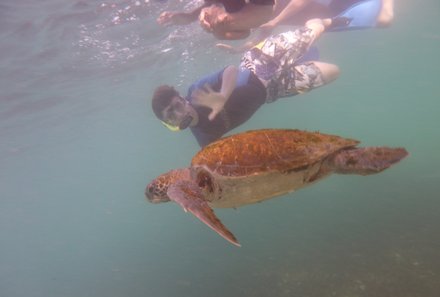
<point>366,160</point>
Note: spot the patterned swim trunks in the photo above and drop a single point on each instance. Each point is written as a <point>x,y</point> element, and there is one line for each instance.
<point>274,61</point>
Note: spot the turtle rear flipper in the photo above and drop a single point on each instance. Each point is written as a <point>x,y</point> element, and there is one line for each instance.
<point>367,160</point>
<point>190,197</point>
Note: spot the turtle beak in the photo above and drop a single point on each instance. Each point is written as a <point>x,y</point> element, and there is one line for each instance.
<point>152,195</point>
<point>149,194</point>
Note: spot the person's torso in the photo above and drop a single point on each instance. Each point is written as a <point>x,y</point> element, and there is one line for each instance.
<point>235,111</point>
<point>232,6</point>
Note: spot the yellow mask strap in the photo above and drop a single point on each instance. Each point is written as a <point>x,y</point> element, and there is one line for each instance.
<point>171,127</point>
<point>260,45</point>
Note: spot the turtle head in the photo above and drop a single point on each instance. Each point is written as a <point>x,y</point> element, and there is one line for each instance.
<point>156,191</point>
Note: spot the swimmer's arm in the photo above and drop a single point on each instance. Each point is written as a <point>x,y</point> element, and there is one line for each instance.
<point>229,80</point>
<point>167,18</point>
<point>263,31</point>
<point>288,12</point>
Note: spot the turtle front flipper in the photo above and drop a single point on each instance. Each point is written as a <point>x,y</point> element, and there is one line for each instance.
<point>190,197</point>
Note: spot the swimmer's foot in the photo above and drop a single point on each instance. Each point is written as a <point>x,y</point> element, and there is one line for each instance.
<point>386,14</point>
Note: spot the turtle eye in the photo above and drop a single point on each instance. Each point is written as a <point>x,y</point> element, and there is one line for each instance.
<point>149,192</point>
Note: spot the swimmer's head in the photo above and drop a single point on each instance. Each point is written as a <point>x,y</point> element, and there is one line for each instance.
<point>172,109</point>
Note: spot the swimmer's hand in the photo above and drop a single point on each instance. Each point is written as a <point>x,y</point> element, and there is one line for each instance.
<point>229,48</point>
<point>238,49</point>
<point>169,18</point>
<point>209,98</point>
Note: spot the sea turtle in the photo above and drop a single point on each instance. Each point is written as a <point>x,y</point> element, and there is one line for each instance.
<point>258,165</point>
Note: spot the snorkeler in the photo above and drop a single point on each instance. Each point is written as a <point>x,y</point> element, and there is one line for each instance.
<point>220,102</point>
<point>360,14</point>
<point>226,23</point>
<point>255,11</point>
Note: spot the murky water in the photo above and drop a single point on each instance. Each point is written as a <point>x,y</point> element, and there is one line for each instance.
<point>78,144</point>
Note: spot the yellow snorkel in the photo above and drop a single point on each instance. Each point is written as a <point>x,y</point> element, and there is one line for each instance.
<point>181,123</point>
<point>171,127</point>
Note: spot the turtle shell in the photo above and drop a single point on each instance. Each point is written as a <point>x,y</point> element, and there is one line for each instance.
<point>260,151</point>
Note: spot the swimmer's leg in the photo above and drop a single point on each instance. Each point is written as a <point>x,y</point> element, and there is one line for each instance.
<point>306,77</point>
<point>329,72</point>
<point>386,14</point>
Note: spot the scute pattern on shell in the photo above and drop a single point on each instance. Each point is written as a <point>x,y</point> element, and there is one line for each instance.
<point>258,151</point>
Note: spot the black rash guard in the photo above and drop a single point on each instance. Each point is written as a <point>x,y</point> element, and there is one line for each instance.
<point>247,97</point>
<point>236,5</point>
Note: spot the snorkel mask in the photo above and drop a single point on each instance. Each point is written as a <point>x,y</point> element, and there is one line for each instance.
<point>182,126</point>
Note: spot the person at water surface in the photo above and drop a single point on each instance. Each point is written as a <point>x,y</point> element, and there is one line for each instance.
<point>227,23</point>
<point>222,101</point>
<point>258,10</point>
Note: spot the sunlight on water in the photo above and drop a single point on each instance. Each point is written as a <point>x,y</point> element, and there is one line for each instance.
<point>79,143</point>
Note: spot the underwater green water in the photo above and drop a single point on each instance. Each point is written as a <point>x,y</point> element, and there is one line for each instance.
<point>78,144</point>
